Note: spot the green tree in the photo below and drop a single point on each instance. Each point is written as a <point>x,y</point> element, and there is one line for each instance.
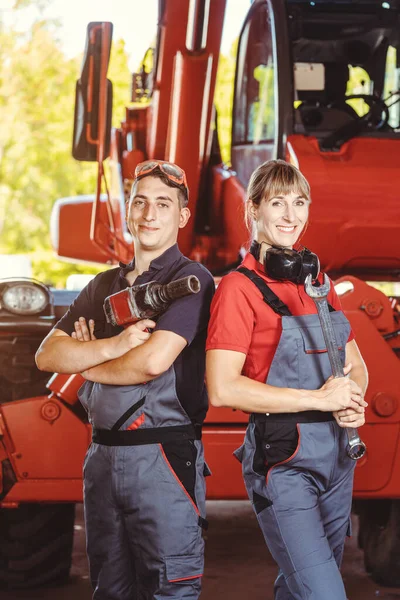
<point>37,91</point>
<point>223,99</point>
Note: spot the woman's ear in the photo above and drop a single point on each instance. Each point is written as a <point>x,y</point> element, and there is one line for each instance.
<point>251,210</point>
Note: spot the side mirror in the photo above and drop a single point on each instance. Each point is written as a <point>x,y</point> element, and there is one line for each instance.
<point>93,97</point>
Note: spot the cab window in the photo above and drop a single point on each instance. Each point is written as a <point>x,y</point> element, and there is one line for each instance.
<point>254,118</point>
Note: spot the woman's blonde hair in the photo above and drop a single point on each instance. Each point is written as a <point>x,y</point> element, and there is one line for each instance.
<point>275,178</point>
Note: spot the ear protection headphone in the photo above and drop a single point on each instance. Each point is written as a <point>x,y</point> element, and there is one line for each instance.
<point>285,264</point>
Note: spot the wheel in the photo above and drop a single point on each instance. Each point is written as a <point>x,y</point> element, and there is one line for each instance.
<point>380,538</point>
<point>36,544</point>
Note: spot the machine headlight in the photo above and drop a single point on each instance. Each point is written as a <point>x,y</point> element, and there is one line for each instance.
<point>24,298</point>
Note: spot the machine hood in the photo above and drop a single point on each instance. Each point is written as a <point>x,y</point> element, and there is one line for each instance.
<point>355,213</point>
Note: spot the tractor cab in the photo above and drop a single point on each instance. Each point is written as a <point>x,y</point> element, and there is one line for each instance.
<point>317,83</point>
<point>345,71</point>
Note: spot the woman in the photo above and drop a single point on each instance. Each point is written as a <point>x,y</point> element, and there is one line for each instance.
<point>266,355</point>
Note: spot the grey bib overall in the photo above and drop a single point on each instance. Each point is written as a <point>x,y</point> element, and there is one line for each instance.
<point>296,470</point>
<point>144,493</point>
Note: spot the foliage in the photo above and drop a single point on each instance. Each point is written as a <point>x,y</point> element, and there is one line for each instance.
<point>37,89</point>
<point>223,99</point>
<point>120,76</point>
<point>55,272</point>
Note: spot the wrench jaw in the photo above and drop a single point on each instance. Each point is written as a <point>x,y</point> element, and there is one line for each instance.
<point>356,450</point>
<point>316,293</point>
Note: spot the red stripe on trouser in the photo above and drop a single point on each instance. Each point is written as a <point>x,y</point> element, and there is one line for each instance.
<point>136,424</point>
<point>179,481</point>
<point>185,578</point>
<point>320,351</point>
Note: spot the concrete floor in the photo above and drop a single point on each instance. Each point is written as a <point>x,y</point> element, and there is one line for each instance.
<point>238,565</point>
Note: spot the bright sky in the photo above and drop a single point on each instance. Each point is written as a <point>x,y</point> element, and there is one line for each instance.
<point>134,21</point>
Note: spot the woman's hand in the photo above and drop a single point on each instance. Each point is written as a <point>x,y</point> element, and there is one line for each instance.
<point>349,417</point>
<point>341,393</point>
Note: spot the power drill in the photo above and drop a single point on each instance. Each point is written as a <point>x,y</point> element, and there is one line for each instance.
<point>147,300</point>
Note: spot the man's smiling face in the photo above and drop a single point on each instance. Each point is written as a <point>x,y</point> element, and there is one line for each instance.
<point>155,215</point>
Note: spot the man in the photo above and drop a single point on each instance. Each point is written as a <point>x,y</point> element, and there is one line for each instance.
<point>144,492</point>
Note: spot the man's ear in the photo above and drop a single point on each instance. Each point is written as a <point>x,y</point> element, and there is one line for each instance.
<point>127,207</point>
<point>184,217</point>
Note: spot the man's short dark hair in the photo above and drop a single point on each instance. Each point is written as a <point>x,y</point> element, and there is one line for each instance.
<point>182,190</point>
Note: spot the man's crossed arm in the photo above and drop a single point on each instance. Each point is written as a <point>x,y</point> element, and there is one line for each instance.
<point>132,357</point>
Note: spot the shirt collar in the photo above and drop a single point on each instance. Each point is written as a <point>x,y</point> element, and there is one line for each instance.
<point>250,262</point>
<point>165,259</point>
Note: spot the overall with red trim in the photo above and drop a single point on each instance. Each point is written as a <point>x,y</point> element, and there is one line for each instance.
<point>144,488</point>
<point>264,329</point>
<point>305,518</point>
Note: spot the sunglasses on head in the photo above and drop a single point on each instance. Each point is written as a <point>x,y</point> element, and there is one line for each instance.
<point>171,171</point>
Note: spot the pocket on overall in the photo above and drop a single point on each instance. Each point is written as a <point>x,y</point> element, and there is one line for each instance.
<point>183,568</point>
<point>180,457</point>
<point>314,363</point>
<point>280,442</point>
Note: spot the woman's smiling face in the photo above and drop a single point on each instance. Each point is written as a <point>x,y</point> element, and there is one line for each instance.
<point>281,219</point>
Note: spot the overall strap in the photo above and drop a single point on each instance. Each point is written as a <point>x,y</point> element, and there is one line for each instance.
<point>268,295</point>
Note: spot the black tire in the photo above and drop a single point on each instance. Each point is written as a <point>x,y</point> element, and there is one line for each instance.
<point>380,538</point>
<point>36,545</point>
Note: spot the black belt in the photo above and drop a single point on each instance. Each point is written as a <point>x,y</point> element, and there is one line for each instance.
<point>307,416</point>
<point>151,435</point>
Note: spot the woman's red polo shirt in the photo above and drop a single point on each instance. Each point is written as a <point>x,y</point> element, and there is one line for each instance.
<point>241,321</point>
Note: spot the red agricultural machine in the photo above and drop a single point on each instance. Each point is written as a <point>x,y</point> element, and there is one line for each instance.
<point>317,83</point>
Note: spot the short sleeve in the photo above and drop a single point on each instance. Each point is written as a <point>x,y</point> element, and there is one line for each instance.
<point>334,301</point>
<point>89,303</point>
<point>232,316</point>
<point>189,316</point>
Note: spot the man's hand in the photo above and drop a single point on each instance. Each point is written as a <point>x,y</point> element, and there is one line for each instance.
<point>82,332</point>
<point>132,336</point>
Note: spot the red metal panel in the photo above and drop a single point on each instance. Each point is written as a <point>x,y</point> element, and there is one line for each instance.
<point>374,471</point>
<point>226,481</point>
<point>355,211</point>
<point>70,229</point>
<point>33,421</point>
<point>45,490</point>
<point>66,386</point>
<point>382,363</point>
<point>226,415</point>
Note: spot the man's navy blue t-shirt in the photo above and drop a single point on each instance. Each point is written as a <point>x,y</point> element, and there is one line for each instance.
<point>187,317</point>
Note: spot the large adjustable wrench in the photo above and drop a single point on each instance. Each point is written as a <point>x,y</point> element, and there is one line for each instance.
<point>356,447</point>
